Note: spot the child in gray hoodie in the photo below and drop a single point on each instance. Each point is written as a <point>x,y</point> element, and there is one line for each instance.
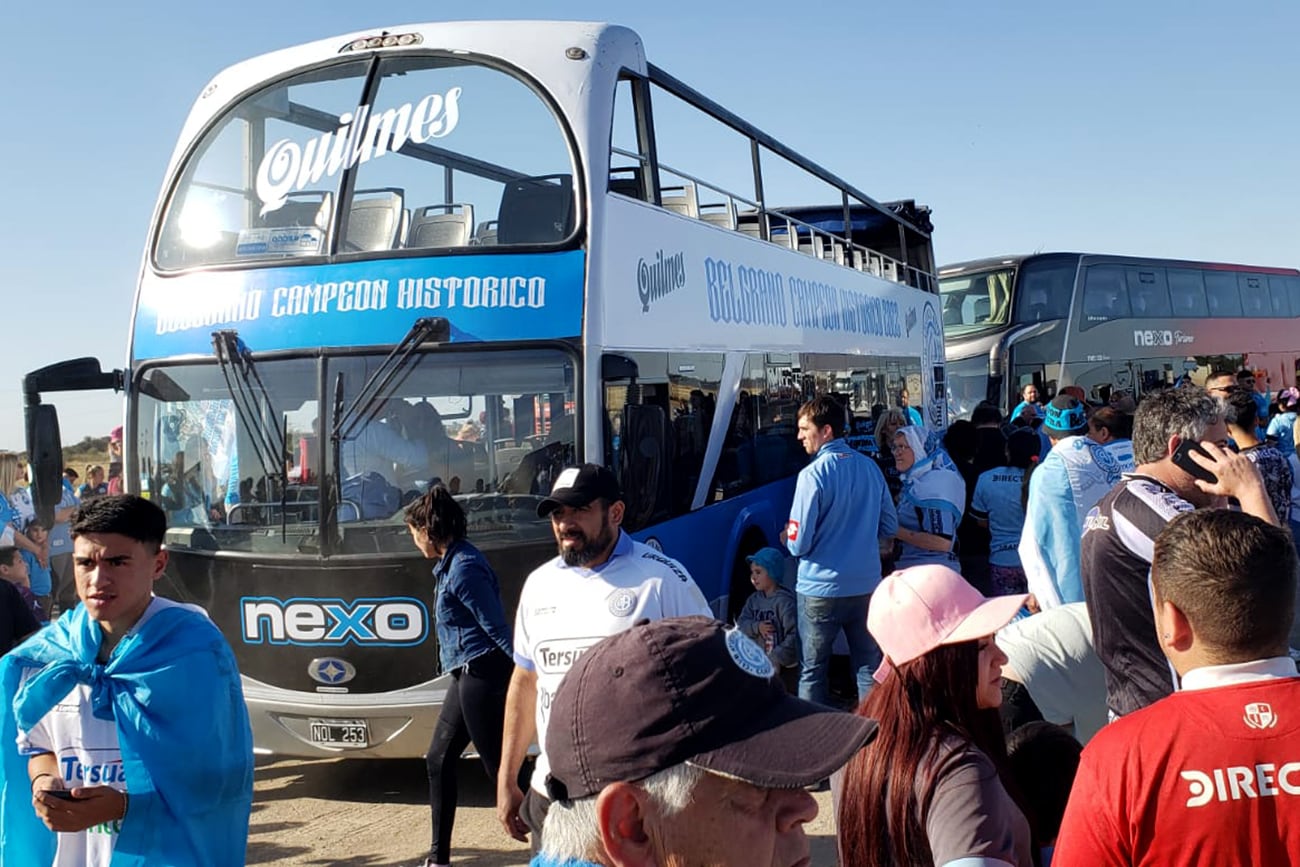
<point>770,615</point>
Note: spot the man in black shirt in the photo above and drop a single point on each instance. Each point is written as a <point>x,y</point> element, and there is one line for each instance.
<point>16,618</point>
<point>1119,535</point>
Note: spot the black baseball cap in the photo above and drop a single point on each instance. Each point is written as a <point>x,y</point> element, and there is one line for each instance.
<point>578,486</point>
<point>688,689</point>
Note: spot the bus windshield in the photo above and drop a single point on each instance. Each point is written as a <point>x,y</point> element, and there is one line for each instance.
<point>976,301</point>
<point>494,427</point>
<point>439,152</point>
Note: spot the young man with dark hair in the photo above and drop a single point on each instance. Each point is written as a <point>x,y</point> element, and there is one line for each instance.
<point>1221,382</point>
<point>132,733</point>
<point>841,512</point>
<point>1272,463</point>
<point>1210,774</point>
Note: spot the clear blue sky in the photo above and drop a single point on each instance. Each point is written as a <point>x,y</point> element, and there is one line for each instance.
<point>1157,128</point>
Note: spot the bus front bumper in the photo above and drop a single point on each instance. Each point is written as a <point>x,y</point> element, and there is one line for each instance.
<point>333,725</point>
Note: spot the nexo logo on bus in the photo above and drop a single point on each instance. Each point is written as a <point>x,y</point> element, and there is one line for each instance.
<point>1160,338</point>
<point>391,622</point>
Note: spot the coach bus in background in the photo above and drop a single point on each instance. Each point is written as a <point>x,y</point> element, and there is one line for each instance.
<point>1110,324</point>
<point>477,252</point>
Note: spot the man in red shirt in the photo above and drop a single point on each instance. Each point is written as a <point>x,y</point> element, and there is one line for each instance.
<point>1211,774</point>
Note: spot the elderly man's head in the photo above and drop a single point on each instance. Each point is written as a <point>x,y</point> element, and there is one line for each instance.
<point>674,743</point>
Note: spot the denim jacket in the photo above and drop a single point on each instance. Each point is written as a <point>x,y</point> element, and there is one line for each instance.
<point>469,616</point>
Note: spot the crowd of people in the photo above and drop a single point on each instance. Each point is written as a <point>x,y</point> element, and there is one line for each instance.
<point>35,554</point>
<point>1071,637</point>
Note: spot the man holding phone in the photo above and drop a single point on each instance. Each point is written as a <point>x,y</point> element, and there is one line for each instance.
<point>1183,463</point>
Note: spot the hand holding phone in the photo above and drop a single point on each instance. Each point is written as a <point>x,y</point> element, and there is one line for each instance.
<point>1182,458</point>
<point>61,794</point>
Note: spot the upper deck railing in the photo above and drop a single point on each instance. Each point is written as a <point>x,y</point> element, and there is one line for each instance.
<point>896,248</point>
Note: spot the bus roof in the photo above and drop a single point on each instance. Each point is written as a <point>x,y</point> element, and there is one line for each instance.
<point>957,268</point>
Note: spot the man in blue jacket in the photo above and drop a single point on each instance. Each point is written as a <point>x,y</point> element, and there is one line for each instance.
<point>841,513</point>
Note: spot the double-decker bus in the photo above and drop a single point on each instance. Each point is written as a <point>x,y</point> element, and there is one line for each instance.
<point>465,252</point>
<point>1110,324</point>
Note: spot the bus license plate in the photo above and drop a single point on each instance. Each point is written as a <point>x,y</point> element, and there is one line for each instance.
<point>353,733</point>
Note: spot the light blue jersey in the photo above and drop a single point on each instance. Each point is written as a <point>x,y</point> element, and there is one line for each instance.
<point>1282,429</point>
<point>997,500</point>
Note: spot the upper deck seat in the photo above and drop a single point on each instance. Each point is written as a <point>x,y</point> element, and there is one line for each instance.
<point>681,200</point>
<point>375,221</point>
<point>720,214</point>
<point>441,226</point>
<point>536,210</point>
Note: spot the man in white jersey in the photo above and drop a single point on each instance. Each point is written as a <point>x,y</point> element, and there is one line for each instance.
<point>132,736</point>
<point>601,583</point>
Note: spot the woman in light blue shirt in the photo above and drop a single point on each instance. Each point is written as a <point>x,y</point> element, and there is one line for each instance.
<point>999,504</point>
<point>932,501</point>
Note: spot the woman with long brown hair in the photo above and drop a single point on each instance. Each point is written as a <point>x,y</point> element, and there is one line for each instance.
<point>932,789</point>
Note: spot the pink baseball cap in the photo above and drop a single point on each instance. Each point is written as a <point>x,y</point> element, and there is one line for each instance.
<point>115,435</point>
<point>915,610</point>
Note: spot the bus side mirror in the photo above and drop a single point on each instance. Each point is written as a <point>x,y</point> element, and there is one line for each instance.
<point>44,459</point>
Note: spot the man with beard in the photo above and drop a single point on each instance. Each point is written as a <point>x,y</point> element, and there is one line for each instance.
<point>1119,534</point>
<point>601,583</point>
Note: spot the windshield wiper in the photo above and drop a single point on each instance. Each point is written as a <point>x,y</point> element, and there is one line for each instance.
<point>344,423</point>
<point>268,436</point>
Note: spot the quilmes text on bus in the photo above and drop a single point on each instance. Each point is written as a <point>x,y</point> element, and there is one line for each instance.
<point>1110,324</point>
<point>475,252</point>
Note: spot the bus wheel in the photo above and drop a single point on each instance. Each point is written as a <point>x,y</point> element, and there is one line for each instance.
<point>750,542</point>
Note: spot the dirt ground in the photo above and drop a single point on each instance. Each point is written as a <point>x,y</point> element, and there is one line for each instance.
<point>375,813</point>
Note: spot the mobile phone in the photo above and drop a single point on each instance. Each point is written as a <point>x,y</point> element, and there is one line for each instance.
<point>61,794</point>
<point>1182,458</point>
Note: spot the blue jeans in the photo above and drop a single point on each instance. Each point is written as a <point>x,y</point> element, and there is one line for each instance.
<point>820,621</point>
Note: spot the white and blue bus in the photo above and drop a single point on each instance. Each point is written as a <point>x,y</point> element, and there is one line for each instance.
<point>470,252</point>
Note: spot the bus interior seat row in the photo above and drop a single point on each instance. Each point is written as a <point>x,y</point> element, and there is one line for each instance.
<point>684,199</point>
<point>535,210</point>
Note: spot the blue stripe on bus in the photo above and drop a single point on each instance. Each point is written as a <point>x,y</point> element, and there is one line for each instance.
<point>511,296</point>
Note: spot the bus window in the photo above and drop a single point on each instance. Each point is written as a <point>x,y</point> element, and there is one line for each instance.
<point>1221,293</point>
<point>436,168</point>
<point>693,392</point>
<point>1254,295</point>
<point>1293,290</point>
<point>761,445</point>
<point>1187,292</point>
<point>1279,296</point>
<point>451,200</point>
<point>1147,293</point>
<point>1045,288</point>
<point>976,300</point>
<point>1104,295</point>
